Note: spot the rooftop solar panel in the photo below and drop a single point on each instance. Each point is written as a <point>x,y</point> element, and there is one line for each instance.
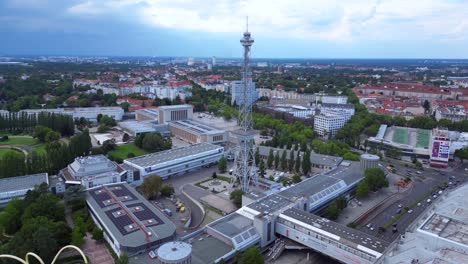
<point>121,222</point>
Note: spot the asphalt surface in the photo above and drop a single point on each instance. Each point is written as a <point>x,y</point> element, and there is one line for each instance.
<point>420,186</point>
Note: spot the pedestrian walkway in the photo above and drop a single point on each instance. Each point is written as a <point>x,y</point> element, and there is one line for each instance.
<point>96,252</point>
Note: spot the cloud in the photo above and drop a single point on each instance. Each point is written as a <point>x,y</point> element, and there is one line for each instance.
<point>348,25</point>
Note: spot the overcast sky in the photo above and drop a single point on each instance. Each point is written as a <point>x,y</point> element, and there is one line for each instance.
<point>200,28</point>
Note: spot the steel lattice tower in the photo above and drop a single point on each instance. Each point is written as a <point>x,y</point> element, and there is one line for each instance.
<point>245,169</point>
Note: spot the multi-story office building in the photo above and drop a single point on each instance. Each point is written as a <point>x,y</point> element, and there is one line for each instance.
<point>170,113</point>
<point>327,125</point>
<point>346,110</point>
<point>236,93</point>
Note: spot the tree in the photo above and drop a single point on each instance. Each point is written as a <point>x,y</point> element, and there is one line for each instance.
<point>52,136</point>
<point>123,259</point>
<point>291,161</point>
<point>306,166</point>
<point>154,142</point>
<point>167,190</point>
<point>77,237</point>
<point>252,256</point>
<point>236,197</point>
<point>341,202</point>
<point>98,234</point>
<point>125,137</point>
<point>375,178</point>
<point>462,154</point>
<point>296,178</point>
<point>107,121</point>
<point>332,211</point>
<point>270,159</point>
<point>362,189</point>
<point>297,166</point>
<point>262,168</point>
<point>426,106</point>
<point>151,187</point>
<point>418,164</point>
<point>222,165</point>
<point>40,132</point>
<point>284,162</point>
<point>277,160</point>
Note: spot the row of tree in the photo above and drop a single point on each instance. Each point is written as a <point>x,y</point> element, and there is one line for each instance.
<point>14,122</point>
<point>298,163</point>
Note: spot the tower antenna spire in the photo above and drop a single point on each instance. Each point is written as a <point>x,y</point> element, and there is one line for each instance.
<point>247,23</point>
<point>245,168</point>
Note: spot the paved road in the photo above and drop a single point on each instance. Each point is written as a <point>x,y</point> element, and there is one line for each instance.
<point>420,187</point>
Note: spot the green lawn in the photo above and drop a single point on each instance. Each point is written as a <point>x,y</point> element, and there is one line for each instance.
<point>40,149</point>
<point>6,150</point>
<point>20,140</point>
<point>123,150</point>
<point>401,135</point>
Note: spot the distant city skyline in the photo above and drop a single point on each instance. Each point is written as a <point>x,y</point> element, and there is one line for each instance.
<point>284,29</point>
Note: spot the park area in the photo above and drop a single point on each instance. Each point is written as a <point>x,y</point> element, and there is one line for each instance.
<point>22,142</point>
<point>400,135</point>
<point>122,151</point>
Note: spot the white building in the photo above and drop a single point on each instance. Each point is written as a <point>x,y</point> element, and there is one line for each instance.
<point>92,171</point>
<point>347,110</point>
<point>89,113</point>
<point>170,113</point>
<point>172,162</point>
<point>237,96</point>
<point>190,61</point>
<point>327,125</point>
<point>17,187</point>
<point>328,99</point>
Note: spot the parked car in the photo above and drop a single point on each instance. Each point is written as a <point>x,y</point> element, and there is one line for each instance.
<point>152,254</point>
<point>410,211</point>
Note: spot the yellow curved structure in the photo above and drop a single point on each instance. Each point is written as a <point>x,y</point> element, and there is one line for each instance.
<point>26,258</point>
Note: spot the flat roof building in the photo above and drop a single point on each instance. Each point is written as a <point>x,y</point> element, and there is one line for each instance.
<point>147,114</point>
<point>135,128</point>
<point>17,187</point>
<point>170,113</point>
<point>287,213</point>
<point>175,161</point>
<point>195,132</point>
<point>89,113</point>
<point>129,222</point>
<point>439,235</point>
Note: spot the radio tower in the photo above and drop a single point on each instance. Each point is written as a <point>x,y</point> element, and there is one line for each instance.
<point>245,169</point>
